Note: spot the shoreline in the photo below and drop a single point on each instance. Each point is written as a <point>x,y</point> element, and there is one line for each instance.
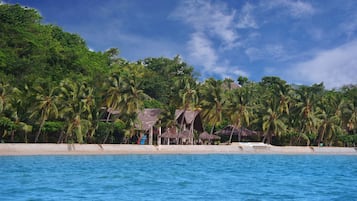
<point>17,149</point>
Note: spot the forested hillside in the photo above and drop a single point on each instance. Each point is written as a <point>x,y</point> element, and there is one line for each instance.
<point>53,88</point>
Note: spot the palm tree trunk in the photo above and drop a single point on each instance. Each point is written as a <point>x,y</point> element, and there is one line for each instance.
<point>106,137</point>
<point>231,135</point>
<point>39,130</point>
<point>24,137</point>
<point>108,117</point>
<point>240,134</point>
<point>12,136</point>
<point>321,135</point>
<point>60,137</point>
<point>211,132</point>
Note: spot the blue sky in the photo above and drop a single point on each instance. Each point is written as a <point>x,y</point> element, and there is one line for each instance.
<point>301,41</point>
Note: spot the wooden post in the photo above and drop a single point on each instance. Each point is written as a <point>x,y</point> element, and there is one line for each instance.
<point>159,136</point>
<point>151,135</point>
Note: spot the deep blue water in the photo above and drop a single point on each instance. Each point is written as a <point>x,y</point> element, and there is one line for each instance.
<point>178,177</point>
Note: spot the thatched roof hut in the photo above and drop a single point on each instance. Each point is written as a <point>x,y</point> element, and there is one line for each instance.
<point>206,136</point>
<point>147,119</point>
<point>186,134</point>
<point>170,133</point>
<point>191,119</point>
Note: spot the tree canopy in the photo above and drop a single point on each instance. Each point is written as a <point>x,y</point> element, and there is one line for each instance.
<point>53,88</point>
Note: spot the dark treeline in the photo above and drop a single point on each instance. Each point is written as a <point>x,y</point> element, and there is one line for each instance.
<point>54,89</point>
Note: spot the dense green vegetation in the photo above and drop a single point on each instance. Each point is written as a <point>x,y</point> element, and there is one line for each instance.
<point>54,89</point>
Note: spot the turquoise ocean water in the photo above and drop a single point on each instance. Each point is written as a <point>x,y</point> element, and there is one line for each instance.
<point>179,177</point>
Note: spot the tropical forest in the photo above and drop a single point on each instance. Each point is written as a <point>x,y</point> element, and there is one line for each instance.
<point>54,89</point>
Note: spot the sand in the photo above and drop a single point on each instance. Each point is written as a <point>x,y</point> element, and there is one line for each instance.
<point>235,148</point>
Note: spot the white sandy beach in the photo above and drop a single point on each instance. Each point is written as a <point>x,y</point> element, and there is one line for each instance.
<point>235,148</point>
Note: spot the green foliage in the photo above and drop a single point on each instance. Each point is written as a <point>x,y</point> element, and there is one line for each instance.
<point>119,126</point>
<point>50,80</point>
<point>7,124</point>
<point>152,103</point>
<point>159,82</point>
<point>31,52</point>
<point>53,127</point>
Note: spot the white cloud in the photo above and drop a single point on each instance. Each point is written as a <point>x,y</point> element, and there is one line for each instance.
<point>335,67</point>
<point>297,9</point>
<point>214,29</point>
<point>201,51</point>
<point>246,18</point>
<point>202,54</point>
<point>213,19</point>
<point>269,51</point>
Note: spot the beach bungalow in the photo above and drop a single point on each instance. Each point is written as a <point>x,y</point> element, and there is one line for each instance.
<point>148,120</point>
<point>171,136</point>
<point>188,122</point>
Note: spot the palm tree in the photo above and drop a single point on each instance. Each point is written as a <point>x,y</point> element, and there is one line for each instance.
<point>6,94</point>
<point>114,95</point>
<point>306,101</point>
<point>189,96</point>
<point>45,105</point>
<point>330,114</point>
<point>273,122</point>
<point>351,111</point>
<point>3,95</point>
<point>350,108</point>
<point>239,109</point>
<point>212,102</point>
<point>133,95</point>
<point>11,100</point>
<point>279,88</point>
<point>77,101</point>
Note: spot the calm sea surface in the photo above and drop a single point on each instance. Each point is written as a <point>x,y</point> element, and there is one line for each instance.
<point>178,177</point>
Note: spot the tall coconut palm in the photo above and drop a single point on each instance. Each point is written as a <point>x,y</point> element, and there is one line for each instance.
<point>45,105</point>
<point>133,95</point>
<point>212,101</point>
<point>351,112</point>
<point>273,122</point>
<point>77,101</point>
<point>239,109</point>
<point>330,114</point>
<point>278,87</point>
<point>5,96</point>
<point>189,96</point>
<point>350,108</point>
<point>114,94</point>
<point>3,90</point>
<point>305,109</point>
<point>11,106</point>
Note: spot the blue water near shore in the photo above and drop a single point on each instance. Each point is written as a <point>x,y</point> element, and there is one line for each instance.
<point>178,177</point>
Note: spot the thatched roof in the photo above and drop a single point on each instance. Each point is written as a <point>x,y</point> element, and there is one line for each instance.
<point>207,136</point>
<point>189,115</point>
<point>240,131</point>
<point>189,118</point>
<point>186,134</point>
<point>170,133</point>
<point>147,119</point>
